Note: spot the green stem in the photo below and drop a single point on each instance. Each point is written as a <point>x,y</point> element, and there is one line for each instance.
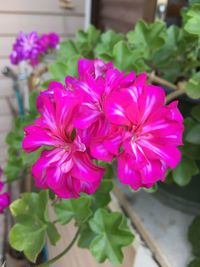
<point>47,263</point>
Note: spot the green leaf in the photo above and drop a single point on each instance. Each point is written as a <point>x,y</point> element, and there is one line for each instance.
<point>28,234</point>
<point>86,236</point>
<point>193,135</point>
<point>191,151</point>
<point>193,21</point>
<point>78,209</point>
<point>58,71</point>
<point>124,58</point>
<point>183,173</point>
<point>67,50</point>
<point>196,112</point>
<point>194,236</point>
<point>148,36</point>
<point>193,86</point>
<point>13,169</point>
<point>112,233</point>
<point>72,64</point>
<point>86,41</point>
<point>32,102</point>
<point>53,234</point>
<point>108,40</point>
<point>101,198</point>
<point>29,238</point>
<point>30,158</point>
<point>194,263</point>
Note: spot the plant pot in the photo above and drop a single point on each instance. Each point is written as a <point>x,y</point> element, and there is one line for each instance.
<point>186,199</point>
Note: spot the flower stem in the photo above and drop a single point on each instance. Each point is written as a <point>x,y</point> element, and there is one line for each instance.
<point>174,95</point>
<point>47,263</point>
<point>153,78</point>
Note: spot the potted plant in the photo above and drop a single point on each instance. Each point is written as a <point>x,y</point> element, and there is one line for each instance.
<point>94,62</point>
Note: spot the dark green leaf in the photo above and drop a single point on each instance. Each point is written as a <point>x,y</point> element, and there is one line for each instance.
<point>102,196</point>
<point>195,263</point>
<point>112,233</point>
<point>196,112</point>
<point>191,151</point>
<point>183,173</point>
<point>193,135</point>
<point>194,236</point>
<point>53,234</point>
<point>86,236</point>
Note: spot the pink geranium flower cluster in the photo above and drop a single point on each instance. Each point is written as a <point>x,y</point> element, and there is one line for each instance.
<point>31,47</point>
<point>4,197</point>
<point>102,115</point>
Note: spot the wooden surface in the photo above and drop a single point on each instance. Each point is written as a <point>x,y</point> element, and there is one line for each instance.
<point>121,15</point>
<point>28,15</point>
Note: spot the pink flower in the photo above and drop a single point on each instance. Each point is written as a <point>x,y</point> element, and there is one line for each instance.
<point>66,167</point>
<point>152,132</point>
<point>4,197</point>
<point>95,82</point>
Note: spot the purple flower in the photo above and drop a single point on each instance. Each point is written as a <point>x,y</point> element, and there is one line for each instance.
<point>31,47</point>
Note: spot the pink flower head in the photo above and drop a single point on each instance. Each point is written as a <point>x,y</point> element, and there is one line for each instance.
<point>103,114</point>
<point>66,167</point>
<point>4,197</point>
<point>95,83</point>
<point>152,132</point>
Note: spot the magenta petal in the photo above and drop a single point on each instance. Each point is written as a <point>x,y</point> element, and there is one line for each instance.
<point>152,172</point>
<point>99,151</point>
<point>173,112</point>
<point>35,138</point>
<point>1,186</point>
<point>85,117</point>
<point>115,108</point>
<point>152,99</point>
<point>39,169</point>
<point>170,154</point>
<point>84,169</point>
<point>126,172</point>
<point>4,201</point>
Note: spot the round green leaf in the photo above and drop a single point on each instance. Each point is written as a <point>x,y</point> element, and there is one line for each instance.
<point>193,86</point>
<point>193,135</point>
<point>183,173</point>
